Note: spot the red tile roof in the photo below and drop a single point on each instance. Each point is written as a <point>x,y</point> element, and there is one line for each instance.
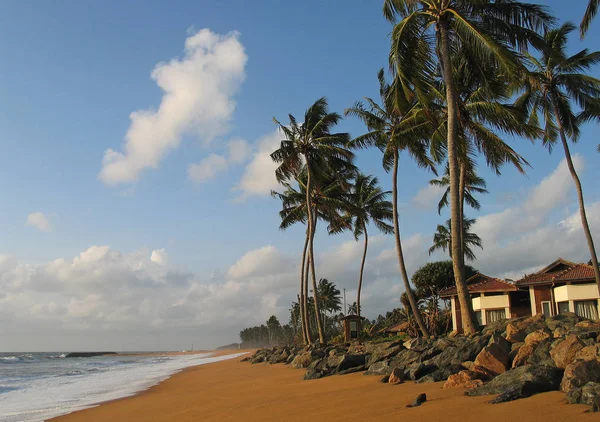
<point>480,283</point>
<point>577,272</point>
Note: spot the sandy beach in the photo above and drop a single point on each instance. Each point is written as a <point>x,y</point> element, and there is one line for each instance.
<point>231,390</point>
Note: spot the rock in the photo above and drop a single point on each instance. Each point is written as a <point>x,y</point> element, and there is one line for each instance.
<point>520,392</point>
<point>382,353</point>
<point>385,379</point>
<point>560,332</point>
<point>579,373</point>
<point>313,374</point>
<point>418,370</point>
<point>440,374</point>
<point>537,336</point>
<point>380,368</point>
<point>496,327</point>
<point>468,365</point>
<point>541,354</point>
<point>483,373</point>
<point>352,370</point>
<point>523,355</point>
<point>564,352</point>
<point>302,360</point>
<point>589,352</point>
<point>461,379</point>
<point>246,359</point>
<point>463,350</point>
<point>588,324</point>
<point>453,334</point>
<point>532,378</point>
<point>396,377</point>
<point>566,320</point>
<point>514,333</point>
<point>405,358</point>
<point>494,357</point>
<point>421,398</point>
<point>595,405</point>
<point>350,361</point>
<point>416,344</point>
<point>584,395</point>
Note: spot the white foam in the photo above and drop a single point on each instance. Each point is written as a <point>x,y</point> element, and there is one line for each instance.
<point>51,397</point>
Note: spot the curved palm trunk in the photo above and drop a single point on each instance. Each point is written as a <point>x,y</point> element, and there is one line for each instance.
<point>311,255</point>
<point>461,200</point>
<point>362,268</point>
<point>468,322</point>
<point>584,221</point>
<point>409,292</point>
<point>305,334</point>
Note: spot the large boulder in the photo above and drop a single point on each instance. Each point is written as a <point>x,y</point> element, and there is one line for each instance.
<point>589,352</point>
<point>579,373</point>
<point>405,358</point>
<point>517,329</point>
<point>494,357</point>
<point>537,336</point>
<point>464,349</point>
<point>350,361</point>
<point>541,354</point>
<point>418,344</point>
<point>379,368</point>
<point>523,355</point>
<point>515,333</point>
<point>566,320</point>
<point>418,370</point>
<point>584,395</point>
<point>396,377</point>
<point>564,352</point>
<point>464,379</point>
<point>302,360</point>
<point>532,378</point>
<point>383,351</point>
<point>440,374</point>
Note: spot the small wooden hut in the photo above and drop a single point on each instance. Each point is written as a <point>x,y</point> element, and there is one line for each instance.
<point>351,327</point>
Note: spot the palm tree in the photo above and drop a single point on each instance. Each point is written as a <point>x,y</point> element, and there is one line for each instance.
<point>326,200</point>
<point>442,239</point>
<point>590,12</point>
<point>329,297</point>
<point>398,125</point>
<point>555,82</point>
<point>473,184</point>
<point>482,32</point>
<point>312,144</point>
<point>367,203</point>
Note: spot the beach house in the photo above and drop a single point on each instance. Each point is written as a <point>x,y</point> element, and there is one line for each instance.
<point>562,286</point>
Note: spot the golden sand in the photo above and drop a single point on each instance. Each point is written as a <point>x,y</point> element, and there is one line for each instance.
<point>234,391</point>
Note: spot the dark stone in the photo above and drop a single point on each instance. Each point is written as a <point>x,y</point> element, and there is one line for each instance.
<point>379,368</point>
<point>404,358</point>
<point>533,378</point>
<point>566,320</point>
<point>595,405</point>
<point>441,374</point>
<point>352,370</point>
<point>418,370</point>
<point>584,395</point>
<point>541,354</point>
<point>579,373</point>
<point>350,361</point>
<point>313,374</point>
<point>385,379</point>
<point>527,389</point>
<point>421,398</point>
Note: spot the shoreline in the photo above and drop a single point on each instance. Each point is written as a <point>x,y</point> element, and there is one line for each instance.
<point>228,389</point>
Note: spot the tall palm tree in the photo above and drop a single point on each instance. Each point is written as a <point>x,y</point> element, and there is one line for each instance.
<point>481,31</point>
<point>367,204</point>
<point>442,239</point>
<point>397,125</point>
<point>326,200</point>
<point>473,184</point>
<point>556,81</point>
<point>329,296</point>
<point>312,144</point>
<point>590,13</point>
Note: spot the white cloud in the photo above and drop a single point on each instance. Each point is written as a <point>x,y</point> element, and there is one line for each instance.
<point>209,167</point>
<point>197,100</point>
<point>259,176</point>
<point>39,221</point>
<point>258,261</point>
<point>160,256</point>
<point>428,197</point>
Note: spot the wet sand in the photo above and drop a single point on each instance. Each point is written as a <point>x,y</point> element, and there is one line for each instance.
<point>232,391</point>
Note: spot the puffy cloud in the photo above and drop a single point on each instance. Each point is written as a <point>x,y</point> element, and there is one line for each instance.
<point>208,168</point>
<point>39,221</point>
<point>160,256</point>
<point>260,261</point>
<point>197,100</point>
<point>259,175</point>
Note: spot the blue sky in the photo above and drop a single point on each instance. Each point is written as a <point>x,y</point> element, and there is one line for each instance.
<point>73,72</point>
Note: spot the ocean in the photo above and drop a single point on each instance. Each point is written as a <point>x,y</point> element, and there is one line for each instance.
<point>39,386</point>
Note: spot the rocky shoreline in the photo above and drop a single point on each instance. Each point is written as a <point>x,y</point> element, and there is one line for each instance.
<point>509,358</point>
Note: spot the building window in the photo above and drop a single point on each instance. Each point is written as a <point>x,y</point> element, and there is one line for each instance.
<point>478,318</point>
<point>494,315</point>
<point>563,307</point>
<point>587,309</point>
<point>546,309</point>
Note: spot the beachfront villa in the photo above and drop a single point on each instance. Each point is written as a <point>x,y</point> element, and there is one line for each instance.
<point>562,286</point>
